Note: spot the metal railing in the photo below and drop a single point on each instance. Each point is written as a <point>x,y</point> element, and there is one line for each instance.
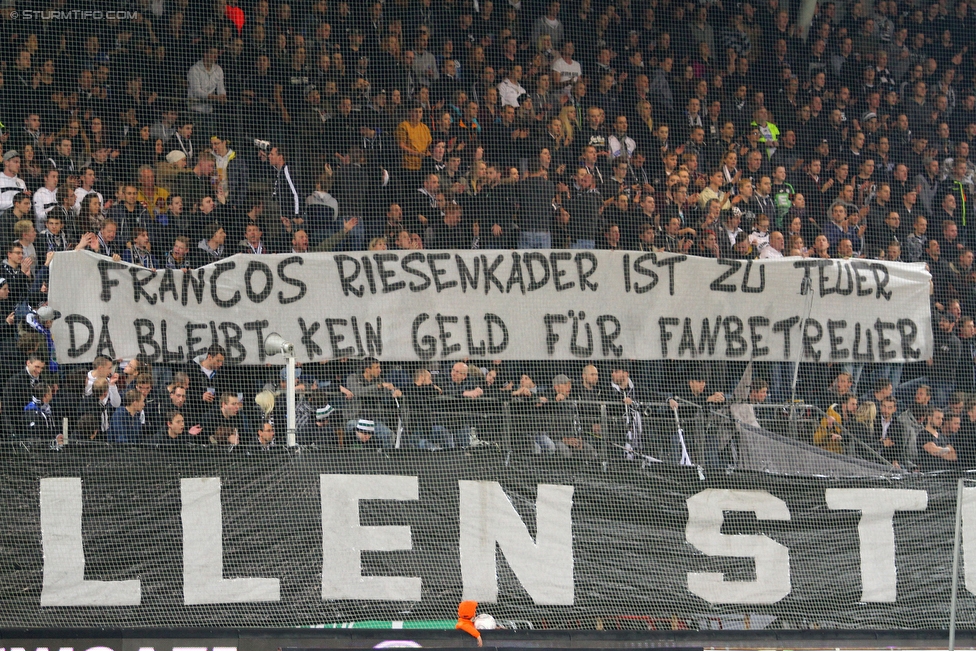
<point>510,425</point>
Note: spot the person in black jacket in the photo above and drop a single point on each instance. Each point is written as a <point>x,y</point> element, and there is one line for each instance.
<point>18,391</point>
<point>563,420</point>
<point>17,272</point>
<point>421,394</point>
<point>889,434</point>
<point>966,368</point>
<point>966,438</point>
<point>98,406</point>
<point>451,232</point>
<point>39,421</point>
<point>692,403</point>
<point>227,416</point>
<point>205,384</point>
<point>945,358</point>
<point>585,224</point>
<point>535,196</point>
<point>370,401</point>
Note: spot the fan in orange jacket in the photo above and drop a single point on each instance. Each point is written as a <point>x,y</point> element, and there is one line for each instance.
<point>466,613</point>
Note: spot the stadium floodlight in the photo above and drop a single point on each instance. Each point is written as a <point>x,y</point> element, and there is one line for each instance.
<point>273,345</point>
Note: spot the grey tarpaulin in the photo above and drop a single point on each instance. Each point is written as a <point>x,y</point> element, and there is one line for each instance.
<point>764,451</point>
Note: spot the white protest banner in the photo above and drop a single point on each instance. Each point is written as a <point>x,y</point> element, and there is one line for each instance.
<point>527,304</point>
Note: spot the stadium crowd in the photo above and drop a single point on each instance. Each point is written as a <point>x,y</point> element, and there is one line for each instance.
<point>184,132</point>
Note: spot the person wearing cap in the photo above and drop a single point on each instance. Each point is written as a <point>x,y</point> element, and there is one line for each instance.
<point>691,400</point>
<point>170,169</point>
<point>10,183</point>
<point>466,617</point>
<point>176,158</point>
<point>41,320</point>
<point>369,403</point>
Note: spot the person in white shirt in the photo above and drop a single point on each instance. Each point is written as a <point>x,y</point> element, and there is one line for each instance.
<point>205,83</point>
<point>566,71</point>
<point>87,186</point>
<point>620,144</point>
<point>10,183</point>
<point>759,237</point>
<point>775,249</point>
<point>46,197</point>
<point>511,88</point>
<point>102,369</point>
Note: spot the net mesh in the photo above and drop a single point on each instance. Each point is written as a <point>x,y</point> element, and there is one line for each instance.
<point>173,135</point>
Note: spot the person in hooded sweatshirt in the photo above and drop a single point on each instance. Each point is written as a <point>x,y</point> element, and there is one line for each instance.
<point>465,622</point>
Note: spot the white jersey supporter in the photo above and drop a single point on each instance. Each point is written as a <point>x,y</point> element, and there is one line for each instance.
<point>44,201</point>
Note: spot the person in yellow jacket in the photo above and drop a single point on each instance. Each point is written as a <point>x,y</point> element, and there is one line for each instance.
<point>830,434</point>
<point>768,132</point>
<point>414,139</point>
